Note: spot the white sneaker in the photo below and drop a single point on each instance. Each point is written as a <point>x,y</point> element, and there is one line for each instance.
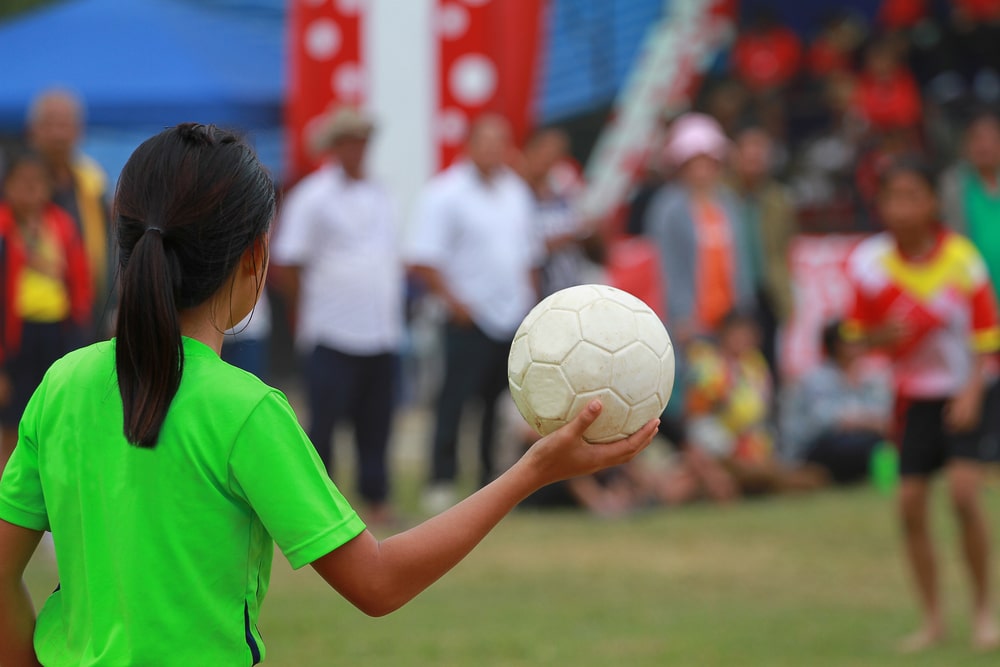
<point>438,497</point>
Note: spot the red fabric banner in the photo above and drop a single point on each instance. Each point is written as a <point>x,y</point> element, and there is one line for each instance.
<point>487,62</point>
<point>325,60</point>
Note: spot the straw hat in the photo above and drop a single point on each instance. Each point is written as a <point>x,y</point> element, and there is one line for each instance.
<point>339,122</point>
<point>695,134</point>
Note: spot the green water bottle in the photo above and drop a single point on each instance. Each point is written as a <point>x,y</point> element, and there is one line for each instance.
<point>884,467</point>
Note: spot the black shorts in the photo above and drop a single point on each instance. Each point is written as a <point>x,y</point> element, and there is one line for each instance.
<point>927,445</point>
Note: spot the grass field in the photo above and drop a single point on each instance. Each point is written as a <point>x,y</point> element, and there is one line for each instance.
<point>807,581</point>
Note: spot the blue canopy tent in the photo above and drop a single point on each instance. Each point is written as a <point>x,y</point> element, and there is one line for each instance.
<point>141,65</point>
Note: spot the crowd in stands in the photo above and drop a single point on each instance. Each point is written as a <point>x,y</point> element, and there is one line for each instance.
<point>790,134</point>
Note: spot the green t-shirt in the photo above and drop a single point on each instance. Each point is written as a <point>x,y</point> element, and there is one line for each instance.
<point>165,554</point>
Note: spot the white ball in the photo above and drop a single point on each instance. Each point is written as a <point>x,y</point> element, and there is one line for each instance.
<point>587,342</point>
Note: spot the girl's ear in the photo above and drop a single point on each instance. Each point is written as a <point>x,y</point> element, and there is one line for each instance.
<point>255,257</point>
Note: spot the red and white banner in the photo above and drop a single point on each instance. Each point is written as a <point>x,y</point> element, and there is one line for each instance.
<point>326,66</point>
<point>483,57</point>
<point>822,294</point>
<point>488,57</point>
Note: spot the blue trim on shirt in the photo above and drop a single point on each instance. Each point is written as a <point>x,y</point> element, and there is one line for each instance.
<point>251,640</point>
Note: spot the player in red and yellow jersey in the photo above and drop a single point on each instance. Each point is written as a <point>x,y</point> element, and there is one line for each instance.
<point>923,296</point>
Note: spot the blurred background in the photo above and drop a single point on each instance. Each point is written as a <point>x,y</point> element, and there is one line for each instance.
<point>801,105</point>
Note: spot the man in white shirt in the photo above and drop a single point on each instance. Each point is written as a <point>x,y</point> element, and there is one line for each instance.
<point>474,246</point>
<point>337,244</point>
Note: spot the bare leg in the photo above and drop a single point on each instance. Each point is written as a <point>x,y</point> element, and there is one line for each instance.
<point>718,483</point>
<point>916,532</point>
<point>964,483</point>
<point>677,486</point>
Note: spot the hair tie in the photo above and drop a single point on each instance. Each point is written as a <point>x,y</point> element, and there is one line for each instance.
<point>154,228</point>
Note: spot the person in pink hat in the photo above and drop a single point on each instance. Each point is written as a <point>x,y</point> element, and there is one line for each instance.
<point>693,221</point>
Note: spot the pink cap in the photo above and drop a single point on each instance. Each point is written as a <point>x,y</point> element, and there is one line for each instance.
<point>695,134</point>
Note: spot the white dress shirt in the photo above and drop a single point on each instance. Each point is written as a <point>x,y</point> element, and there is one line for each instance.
<point>480,236</point>
<point>343,235</point>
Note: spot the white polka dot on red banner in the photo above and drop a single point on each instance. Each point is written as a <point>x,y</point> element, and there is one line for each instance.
<point>452,126</point>
<point>452,21</point>
<point>348,82</point>
<point>472,79</point>
<point>322,39</point>
<point>476,3</point>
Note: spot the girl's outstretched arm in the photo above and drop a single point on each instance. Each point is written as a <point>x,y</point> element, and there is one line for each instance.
<point>17,615</point>
<point>379,577</point>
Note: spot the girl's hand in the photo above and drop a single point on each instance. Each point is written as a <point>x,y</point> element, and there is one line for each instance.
<point>565,454</point>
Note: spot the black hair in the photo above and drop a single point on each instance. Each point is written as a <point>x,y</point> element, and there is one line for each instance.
<point>983,115</point>
<point>190,201</point>
<point>831,337</point>
<point>19,157</point>
<point>909,164</point>
<point>738,316</point>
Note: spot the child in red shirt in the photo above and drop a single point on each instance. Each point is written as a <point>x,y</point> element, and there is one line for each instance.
<point>923,295</point>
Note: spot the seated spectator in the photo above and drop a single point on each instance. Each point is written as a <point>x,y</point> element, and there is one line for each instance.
<point>766,55</point>
<point>728,400</point>
<point>832,51</point>
<point>838,413</point>
<point>887,93</point>
<point>611,493</point>
<point>894,15</point>
<point>695,473</point>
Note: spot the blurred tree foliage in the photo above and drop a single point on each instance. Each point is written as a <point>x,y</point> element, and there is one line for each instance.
<point>9,8</point>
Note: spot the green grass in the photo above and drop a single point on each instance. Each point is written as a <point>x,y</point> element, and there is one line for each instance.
<point>813,581</point>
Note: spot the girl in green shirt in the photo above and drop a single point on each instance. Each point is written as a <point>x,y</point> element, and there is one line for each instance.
<point>164,474</point>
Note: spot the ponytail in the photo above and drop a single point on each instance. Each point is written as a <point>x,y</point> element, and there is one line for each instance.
<point>190,201</point>
<point>149,355</point>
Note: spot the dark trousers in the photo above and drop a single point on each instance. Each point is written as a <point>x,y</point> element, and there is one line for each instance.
<point>767,320</point>
<point>42,344</point>
<point>360,389</point>
<point>845,454</point>
<point>475,366</point>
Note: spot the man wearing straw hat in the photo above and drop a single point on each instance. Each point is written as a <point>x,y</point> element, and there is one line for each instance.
<point>336,240</point>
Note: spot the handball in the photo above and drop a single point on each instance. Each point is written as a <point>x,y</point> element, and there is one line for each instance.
<point>587,342</point>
